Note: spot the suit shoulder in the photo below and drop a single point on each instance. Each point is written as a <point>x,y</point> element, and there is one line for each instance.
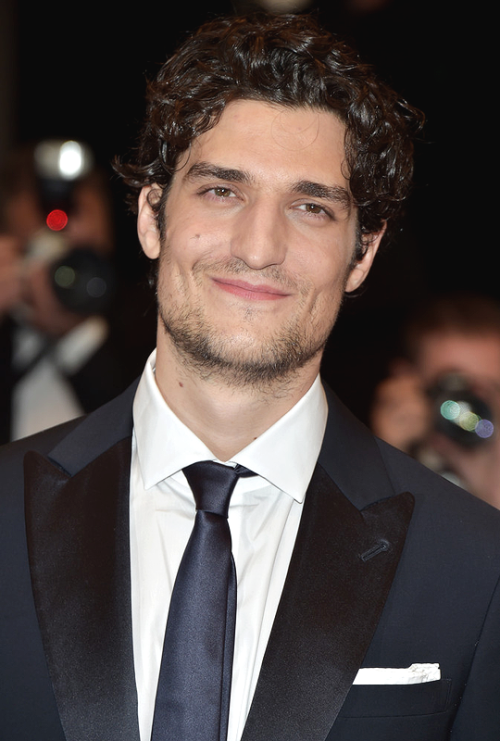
<point>406,472</point>
<point>42,442</point>
<point>84,436</point>
<point>449,506</point>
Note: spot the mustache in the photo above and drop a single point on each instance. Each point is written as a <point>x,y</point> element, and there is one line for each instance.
<point>233,267</point>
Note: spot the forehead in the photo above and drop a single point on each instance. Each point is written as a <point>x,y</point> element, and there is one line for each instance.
<point>275,140</point>
<point>477,355</point>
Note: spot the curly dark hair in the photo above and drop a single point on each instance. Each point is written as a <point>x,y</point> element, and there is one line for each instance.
<point>288,60</point>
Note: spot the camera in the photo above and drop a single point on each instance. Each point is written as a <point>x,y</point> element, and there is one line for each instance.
<point>459,412</point>
<point>82,280</point>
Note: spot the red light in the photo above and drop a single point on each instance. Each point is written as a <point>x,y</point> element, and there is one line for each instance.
<point>57,220</point>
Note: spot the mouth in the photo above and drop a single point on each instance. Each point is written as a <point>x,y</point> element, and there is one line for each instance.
<point>250,291</point>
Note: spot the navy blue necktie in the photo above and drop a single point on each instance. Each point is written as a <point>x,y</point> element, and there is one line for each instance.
<point>192,700</point>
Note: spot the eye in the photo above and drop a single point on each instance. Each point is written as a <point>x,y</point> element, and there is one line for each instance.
<point>220,191</point>
<point>314,209</point>
<point>217,193</point>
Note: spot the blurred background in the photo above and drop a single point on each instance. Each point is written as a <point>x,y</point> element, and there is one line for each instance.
<point>78,71</point>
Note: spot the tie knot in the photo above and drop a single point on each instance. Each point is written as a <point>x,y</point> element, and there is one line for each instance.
<point>212,484</point>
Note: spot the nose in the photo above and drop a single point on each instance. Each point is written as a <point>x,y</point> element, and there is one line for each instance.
<point>259,237</point>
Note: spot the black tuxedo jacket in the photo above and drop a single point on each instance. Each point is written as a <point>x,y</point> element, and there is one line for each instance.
<point>392,566</point>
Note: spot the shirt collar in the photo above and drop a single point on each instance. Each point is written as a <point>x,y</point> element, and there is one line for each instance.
<point>285,454</point>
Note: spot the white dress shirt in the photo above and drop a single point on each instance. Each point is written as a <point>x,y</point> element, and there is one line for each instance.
<point>43,397</point>
<point>264,516</point>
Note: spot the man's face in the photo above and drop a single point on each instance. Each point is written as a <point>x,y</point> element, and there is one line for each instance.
<point>260,232</point>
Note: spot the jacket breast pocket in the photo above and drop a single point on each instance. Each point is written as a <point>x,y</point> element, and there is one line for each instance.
<point>393,700</point>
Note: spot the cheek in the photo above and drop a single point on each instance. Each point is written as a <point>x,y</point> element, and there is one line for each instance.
<point>328,286</point>
<point>181,266</point>
<point>327,275</point>
<point>326,258</point>
<point>190,244</point>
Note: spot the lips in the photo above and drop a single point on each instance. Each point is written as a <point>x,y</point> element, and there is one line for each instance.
<point>250,291</point>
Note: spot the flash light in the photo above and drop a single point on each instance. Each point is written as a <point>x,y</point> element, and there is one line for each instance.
<point>57,220</point>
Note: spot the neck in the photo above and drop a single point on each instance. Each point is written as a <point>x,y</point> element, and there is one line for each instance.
<point>226,417</point>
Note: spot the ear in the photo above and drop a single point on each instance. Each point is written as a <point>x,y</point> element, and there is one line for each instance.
<point>362,267</point>
<point>147,225</point>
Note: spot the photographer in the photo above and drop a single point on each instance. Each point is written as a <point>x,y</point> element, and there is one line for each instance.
<point>60,353</point>
<point>452,349</point>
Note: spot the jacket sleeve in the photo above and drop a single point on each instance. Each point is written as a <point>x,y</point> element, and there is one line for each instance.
<point>478,717</point>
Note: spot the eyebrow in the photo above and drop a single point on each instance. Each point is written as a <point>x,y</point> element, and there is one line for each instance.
<point>333,193</point>
<point>206,170</point>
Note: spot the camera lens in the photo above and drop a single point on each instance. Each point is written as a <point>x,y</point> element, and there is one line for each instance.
<point>460,413</point>
<point>83,282</point>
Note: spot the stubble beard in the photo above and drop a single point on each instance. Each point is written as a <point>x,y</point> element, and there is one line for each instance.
<point>262,365</point>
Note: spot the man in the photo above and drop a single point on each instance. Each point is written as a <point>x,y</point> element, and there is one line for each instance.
<point>270,163</point>
<point>452,346</point>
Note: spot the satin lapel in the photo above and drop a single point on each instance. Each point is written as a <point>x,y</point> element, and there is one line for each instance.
<point>78,540</point>
<point>340,574</point>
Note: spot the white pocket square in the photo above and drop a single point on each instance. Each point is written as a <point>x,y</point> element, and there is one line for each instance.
<point>414,674</point>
